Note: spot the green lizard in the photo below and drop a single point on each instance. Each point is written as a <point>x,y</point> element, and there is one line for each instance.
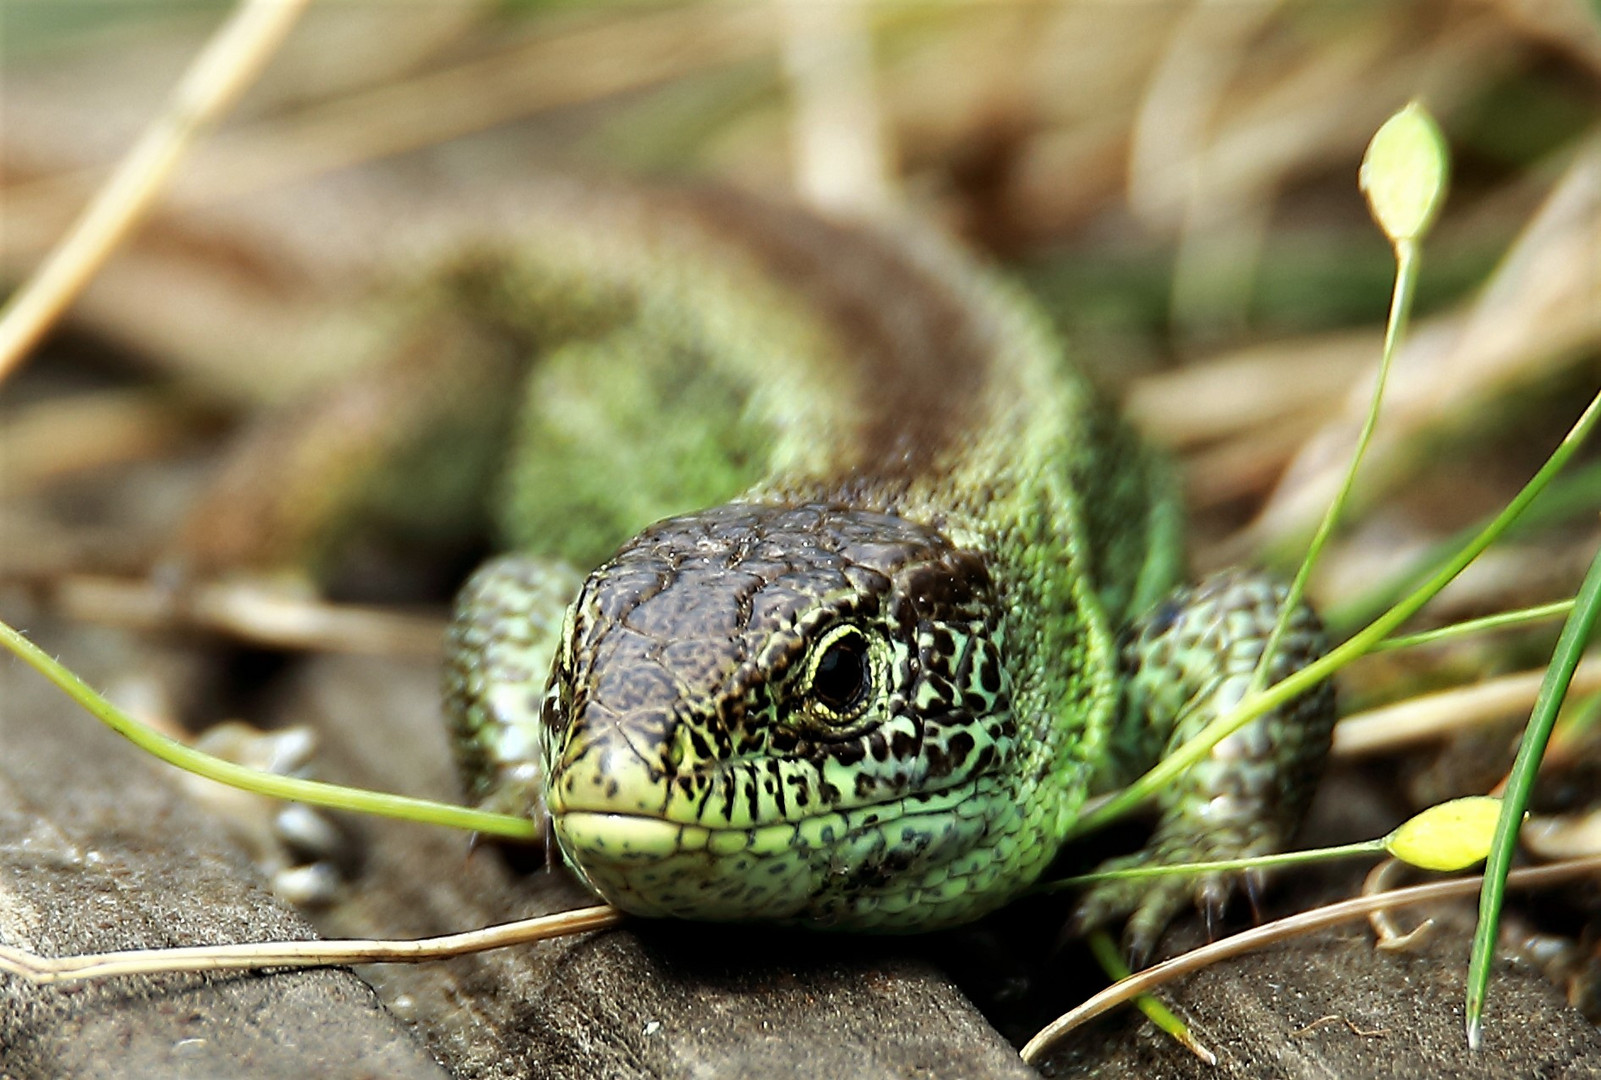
<point>872,691</point>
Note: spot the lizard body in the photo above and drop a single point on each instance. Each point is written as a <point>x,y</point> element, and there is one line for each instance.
<point>872,690</point>
<point>926,617</point>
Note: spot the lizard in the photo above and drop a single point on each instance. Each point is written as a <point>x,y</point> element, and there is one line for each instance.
<point>903,595</point>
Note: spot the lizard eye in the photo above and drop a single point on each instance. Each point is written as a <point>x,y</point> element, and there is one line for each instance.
<point>840,681</point>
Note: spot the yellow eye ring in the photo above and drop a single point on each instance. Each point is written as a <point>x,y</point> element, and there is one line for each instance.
<point>839,678</point>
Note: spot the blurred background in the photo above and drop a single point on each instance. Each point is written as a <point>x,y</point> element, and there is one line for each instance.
<point>1175,182</point>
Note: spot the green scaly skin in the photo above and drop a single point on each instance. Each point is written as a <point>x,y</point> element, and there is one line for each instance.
<point>874,690</point>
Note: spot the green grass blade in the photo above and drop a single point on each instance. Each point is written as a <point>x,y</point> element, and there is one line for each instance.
<point>1406,276</point>
<point>1501,620</point>
<point>1254,862</point>
<point>1106,954</point>
<point>314,792</point>
<point>1564,659</point>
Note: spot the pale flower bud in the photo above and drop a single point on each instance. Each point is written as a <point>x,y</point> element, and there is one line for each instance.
<point>1404,174</point>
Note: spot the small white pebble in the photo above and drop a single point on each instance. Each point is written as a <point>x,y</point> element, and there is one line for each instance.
<point>306,830</point>
<point>313,885</point>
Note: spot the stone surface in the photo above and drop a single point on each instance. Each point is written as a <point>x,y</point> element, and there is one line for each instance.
<point>1331,1006</point>
<point>97,850</point>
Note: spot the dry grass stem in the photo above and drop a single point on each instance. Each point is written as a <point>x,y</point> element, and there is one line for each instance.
<point>303,954</point>
<point>841,157</point>
<point>1390,937</point>
<point>584,64</point>
<point>48,440</point>
<point>251,612</point>
<point>1563,837</point>
<point>1446,712</point>
<point>228,64</point>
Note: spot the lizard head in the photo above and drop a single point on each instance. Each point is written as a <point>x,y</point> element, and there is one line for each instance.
<point>782,713</point>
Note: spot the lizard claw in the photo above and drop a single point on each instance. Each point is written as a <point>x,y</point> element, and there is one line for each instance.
<point>1252,883</point>
<point>1150,904</point>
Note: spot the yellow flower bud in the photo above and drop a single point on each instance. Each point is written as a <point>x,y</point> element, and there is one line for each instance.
<point>1450,836</point>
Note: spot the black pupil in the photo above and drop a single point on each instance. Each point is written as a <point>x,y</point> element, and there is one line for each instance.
<point>840,681</point>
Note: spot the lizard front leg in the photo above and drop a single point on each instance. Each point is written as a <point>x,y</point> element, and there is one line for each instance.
<point>1187,662</point>
<point>505,633</point>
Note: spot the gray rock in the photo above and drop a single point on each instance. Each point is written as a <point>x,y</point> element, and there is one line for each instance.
<point>99,852</point>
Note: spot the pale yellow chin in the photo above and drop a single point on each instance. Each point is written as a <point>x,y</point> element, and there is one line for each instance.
<point>647,866</point>
<point>821,870</point>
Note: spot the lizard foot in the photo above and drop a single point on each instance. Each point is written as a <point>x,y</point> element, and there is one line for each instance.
<point>1150,904</point>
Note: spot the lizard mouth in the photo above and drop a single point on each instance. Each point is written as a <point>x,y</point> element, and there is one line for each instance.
<point>648,865</point>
